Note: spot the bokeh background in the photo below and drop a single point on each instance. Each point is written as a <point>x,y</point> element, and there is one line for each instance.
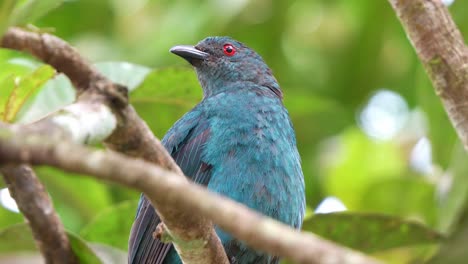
<point>372,134</point>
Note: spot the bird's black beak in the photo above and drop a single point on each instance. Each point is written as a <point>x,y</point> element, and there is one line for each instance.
<point>189,53</point>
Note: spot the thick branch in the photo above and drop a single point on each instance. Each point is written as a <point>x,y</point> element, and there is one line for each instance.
<point>53,51</point>
<point>256,230</point>
<point>440,47</point>
<point>36,206</point>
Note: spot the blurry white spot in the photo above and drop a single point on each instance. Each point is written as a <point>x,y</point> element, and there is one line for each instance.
<point>421,156</point>
<point>448,2</point>
<point>7,201</point>
<point>329,205</point>
<point>384,115</point>
<point>444,185</point>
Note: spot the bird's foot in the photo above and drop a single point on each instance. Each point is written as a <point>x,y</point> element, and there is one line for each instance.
<point>162,234</point>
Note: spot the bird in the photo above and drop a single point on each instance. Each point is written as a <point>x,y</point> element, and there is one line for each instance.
<point>238,141</point>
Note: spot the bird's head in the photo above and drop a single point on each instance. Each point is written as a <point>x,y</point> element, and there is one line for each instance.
<point>221,61</point>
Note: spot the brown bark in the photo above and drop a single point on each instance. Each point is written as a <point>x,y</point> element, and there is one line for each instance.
<point>36,206</point>
<point>441,49</point>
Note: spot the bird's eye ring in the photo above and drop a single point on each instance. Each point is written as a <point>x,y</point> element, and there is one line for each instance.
<point>229,50</point>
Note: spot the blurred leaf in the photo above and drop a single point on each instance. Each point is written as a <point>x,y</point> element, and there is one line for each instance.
<point>175,86</point>
<point>55,94</point>
<point>452,199</point>
<point>165,95</point>
<point>409,254</point>
<point>7,217</point>
<point>441,132</point>
<point>23,88</point>
<point>416,198</point>
<point>108,254</point>
<point>18,238</point>
<point>84,253</point>
<point>453,251</point>
<point>78,199</point>
<point>370,232</point>
<point>352,162</point>
<point>6,7</point>
<point>10,69</point>
<point>112,226</point>
<point>124,73</point>
<point>31,10</point>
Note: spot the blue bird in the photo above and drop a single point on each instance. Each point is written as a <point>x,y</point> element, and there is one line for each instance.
<point>238,142</point>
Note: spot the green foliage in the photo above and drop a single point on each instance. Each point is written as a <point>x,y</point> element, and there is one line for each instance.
<point>18,238</point>
<point>164,96</point>
<point>112,226</point>
<point>18,90</point>
<point>370,232</point>
<point>31,10</point>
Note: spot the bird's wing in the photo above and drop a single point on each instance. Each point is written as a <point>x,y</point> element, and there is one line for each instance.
<point>184,141</point>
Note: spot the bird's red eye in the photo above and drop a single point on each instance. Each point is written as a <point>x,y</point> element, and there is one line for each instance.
<point>229,50</point>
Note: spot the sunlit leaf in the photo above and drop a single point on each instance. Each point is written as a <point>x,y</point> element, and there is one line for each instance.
<point>124,73</point>
<point>112,226</point>
<point>56,93</point>
<point>23,88</point>
<point>31,10</point>
<point>370,232</point>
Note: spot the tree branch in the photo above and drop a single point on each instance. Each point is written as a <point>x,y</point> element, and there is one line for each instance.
<point>37,207</point>
<point>256,230</point>
<point>441,49</point>
<point>55,52</point>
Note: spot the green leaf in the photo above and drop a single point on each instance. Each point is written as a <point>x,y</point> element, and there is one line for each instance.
<point>8,217</point>
<point>354,162</point>
<point>165,95</point>
<point>6,8</point>
<point>452,200</point>
<point>453,250</point>
<point>416,192</point>
<point>112,226</point>
<point>108,254</point>
<point>441,132</point>
<point>31,10</point>
<point>18,238</point>
<point>23,88</point>
<point>82,250</point>
<point>55,94</point>
<point>80,198</point>
<point>370,232</point>
<point>124,73</point>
